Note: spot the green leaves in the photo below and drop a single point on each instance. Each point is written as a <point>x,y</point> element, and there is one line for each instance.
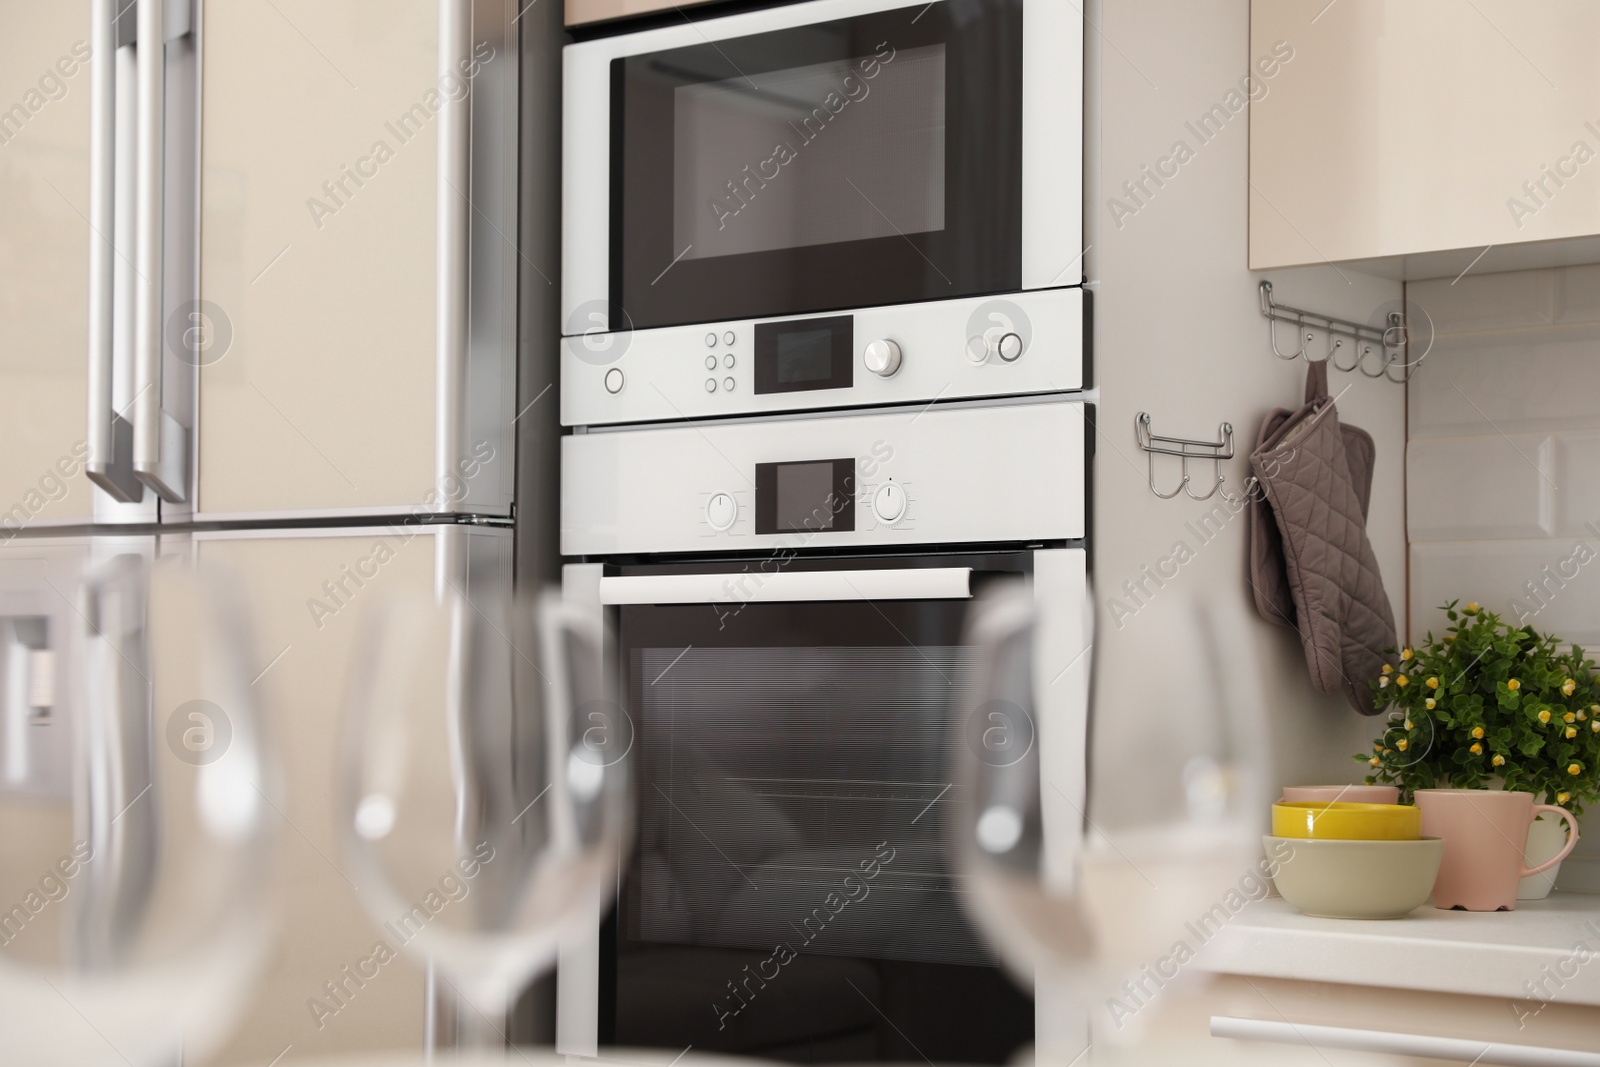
<point>1487,675</point>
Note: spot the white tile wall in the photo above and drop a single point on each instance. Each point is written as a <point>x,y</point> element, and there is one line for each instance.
<point>1503,462</point>
<point>1503,456</point>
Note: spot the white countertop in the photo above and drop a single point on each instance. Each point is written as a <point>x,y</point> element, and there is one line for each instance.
<point>1480,953</point>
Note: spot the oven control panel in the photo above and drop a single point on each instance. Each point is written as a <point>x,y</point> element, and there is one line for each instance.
<point>1012,345</point>
<point>901,477</point>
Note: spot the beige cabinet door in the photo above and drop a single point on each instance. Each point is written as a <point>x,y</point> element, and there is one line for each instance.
<point>1409,127</point>
<point>303,651</point>
<point>339,146</point>
<point>45,72</point>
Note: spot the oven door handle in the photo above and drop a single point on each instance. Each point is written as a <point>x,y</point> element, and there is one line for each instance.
<point>757,586</point>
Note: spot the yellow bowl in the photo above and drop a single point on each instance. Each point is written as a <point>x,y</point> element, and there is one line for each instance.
<point>1344,821</point>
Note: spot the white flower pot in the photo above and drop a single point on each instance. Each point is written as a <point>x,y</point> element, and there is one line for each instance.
<point>1545,838</point>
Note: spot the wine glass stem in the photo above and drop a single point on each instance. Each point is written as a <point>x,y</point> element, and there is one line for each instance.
<point>481,1017</point>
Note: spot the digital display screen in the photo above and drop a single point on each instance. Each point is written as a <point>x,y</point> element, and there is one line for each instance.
<point>805,354</point>
<point>816,496</point>
<point>805,496</point>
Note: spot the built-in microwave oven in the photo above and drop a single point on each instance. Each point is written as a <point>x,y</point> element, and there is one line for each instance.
<point>823,204</point>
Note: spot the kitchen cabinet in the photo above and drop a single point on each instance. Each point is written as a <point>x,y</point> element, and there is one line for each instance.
<point>1422,132</point>
<point>582,12</point>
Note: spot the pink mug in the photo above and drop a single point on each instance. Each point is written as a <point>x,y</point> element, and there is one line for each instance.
<point>1484,832</point>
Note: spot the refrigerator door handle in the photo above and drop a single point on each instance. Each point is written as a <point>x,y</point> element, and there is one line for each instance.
<point>750,587</point>
<point>160,442</point>
<point>453,227</point>
<point>110,437</point>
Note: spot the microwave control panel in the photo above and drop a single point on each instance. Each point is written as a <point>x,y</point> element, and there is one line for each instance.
<point>1014,345</point>
<point>940,475</point>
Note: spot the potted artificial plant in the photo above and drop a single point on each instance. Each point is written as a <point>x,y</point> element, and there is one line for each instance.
<point>1490,706</point>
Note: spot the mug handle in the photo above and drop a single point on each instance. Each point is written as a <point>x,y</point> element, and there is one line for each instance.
<point>1572,837</point>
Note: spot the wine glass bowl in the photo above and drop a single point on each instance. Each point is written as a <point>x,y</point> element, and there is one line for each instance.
<point>136,847</point>
<point>483,786</point>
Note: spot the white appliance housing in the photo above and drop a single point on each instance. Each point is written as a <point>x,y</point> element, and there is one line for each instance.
<point>935,477</point>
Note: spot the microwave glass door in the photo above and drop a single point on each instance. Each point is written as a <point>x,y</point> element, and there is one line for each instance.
<point>788,894</point>
<point>868,161</point>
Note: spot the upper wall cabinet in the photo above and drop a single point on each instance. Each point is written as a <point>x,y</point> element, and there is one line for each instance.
<point>357,265</point>
<point>1424,131</point>
<point>582,12</point>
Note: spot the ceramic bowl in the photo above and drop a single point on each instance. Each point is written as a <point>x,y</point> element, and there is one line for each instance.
<point>1355,879</point>
<point>1341,821</point>
<point>1353,794</point>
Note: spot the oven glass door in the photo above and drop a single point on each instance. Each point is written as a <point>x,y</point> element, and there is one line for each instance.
<point>868,161</point>
<point>788,894</point>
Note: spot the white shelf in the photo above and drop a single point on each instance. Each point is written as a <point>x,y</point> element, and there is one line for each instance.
<point>1474,953</point>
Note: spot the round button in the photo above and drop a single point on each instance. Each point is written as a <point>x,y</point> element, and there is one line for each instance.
<point>711,385</point>
<point>882,358</point>
<point>727,361</point>
<point>614,380</point>
<point>721,511</point>
<point>711,363</point>
<point>711,340</point>
<point>1010,347</point>
<point>727,383</point>
<point>889,503</point>
<point>727,338</point>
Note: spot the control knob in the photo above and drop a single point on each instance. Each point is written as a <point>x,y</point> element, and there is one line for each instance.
<point>882,358</point>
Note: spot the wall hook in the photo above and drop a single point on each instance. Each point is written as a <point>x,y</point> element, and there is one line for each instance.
<point>1388,343</point>
<point>1185,449</point>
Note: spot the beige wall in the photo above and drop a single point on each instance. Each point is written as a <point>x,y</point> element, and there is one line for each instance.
<point>1178,333</point>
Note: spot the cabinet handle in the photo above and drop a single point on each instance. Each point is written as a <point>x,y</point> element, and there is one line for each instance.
<point>160,443</point>
<point>1383,1041</point>
<point>109,438</point>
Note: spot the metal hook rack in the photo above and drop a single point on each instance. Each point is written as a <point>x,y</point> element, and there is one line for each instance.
<point>1387,342</point>
<point>1185,449</point>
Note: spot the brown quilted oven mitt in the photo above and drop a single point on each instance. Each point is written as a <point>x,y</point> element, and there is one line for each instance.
<point>1312,567</point>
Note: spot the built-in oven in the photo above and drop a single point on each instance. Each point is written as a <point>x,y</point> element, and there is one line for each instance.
<point>823,204</point>
<point>786,600</point>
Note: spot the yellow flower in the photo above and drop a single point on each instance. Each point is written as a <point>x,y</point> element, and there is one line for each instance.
<point>1582,715</point>
<point>1430,703</point>
<point>1572,731</point>
<point>1387,669</point>
<point>1377,746</point>
<point>1513,685</point>
<point>1408,724</point>
<point>1569,717</point>
<point>1433,683</point>
<point>1472,607</point>
<point>1402,744</point>
<point>1406,653</point>
<point>1574,769</point>
<point>1449,637</point>
<point>1498,761</point>
<point>1477,731</point>
<point>1562,798</point>
<point>1387,751</point>
<point>1402,681</point>
<point>1595,726</point>
<point>1383,683</point>
<point>1476,749</point>
<point>1568,686</point>
<point>1374,761</point>
<point>1544,714</point>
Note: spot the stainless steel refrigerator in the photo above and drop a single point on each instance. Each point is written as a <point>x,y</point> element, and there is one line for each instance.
<point>259,302</point>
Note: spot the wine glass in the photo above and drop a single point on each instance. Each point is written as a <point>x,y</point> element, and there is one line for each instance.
<point>134,910</point>
<point>483,789</point>
<point>1079,897</point>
